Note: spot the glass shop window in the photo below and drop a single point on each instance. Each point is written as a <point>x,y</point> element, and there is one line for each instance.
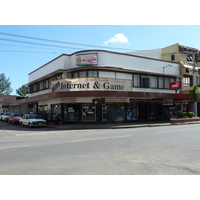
<point>89,112</point>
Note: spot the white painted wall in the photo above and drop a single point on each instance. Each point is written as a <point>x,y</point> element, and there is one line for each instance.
<point>136,63</point>
<point>108,59</point>
<point>154,53</point>
<point>60,63</point>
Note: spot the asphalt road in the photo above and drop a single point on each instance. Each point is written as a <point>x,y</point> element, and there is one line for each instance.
<point>164,150</point>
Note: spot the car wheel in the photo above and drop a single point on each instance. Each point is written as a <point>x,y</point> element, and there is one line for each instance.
<point>29,125</point>
<point>22,124</point>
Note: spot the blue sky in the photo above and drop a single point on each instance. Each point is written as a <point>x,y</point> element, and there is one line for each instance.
<point>18,59</point>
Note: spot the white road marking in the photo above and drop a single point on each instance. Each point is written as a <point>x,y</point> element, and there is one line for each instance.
<point>10,131</point>
<point>106,138</point>
<point>53,132</point>
<point>11,147</point>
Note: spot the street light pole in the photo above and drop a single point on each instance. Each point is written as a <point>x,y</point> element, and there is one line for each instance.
<point>194,82</point>
<point>165,67</point>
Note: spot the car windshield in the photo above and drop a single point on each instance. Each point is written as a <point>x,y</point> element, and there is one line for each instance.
<point>34,116</point>
<point>17,115</point>
<point>8,114</point>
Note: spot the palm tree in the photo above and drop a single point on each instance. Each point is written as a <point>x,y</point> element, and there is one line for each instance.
<point>194,95</point>
<point>22,91</point>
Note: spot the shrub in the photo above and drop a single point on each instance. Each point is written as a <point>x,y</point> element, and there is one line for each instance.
<point>182,114</point>
<point>190,114</point>
<point>185,114</point>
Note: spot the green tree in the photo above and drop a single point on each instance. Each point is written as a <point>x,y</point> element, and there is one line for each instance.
<point>194,96</point>
<point>22,91</point>
<point>5,85</point>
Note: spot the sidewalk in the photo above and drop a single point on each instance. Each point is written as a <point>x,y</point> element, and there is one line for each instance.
<point>115,126</point>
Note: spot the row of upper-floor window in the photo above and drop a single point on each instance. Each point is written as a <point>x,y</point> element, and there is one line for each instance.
<point>44,84</point>
<point>189,58</point>
<point>150,81</point>
<point>138,80</point>
<point>188,81</point>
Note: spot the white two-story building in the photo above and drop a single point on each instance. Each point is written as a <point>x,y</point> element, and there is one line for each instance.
<point>102,86</point>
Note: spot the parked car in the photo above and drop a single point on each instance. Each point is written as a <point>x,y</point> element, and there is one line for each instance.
<point>5,117</point>
<point>31,120</point>
<point>1,115</point>
<point>14,118</point>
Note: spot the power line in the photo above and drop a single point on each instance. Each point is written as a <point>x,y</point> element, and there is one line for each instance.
<point>9,51</point>
<point>11,45</point>
<point>57,41</point>
<point>135,52</point>
<point>41,44</point>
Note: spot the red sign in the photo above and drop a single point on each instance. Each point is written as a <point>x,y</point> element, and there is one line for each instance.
<point>175,85</point>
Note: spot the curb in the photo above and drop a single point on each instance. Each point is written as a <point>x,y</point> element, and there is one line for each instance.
<point>118,127</point>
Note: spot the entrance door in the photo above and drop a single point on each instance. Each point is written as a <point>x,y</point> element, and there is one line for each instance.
<point>119,112</point>
<point>107,112</point>
<point>142,112</point>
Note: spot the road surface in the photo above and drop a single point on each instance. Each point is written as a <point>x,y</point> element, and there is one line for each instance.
<point>164,150</point>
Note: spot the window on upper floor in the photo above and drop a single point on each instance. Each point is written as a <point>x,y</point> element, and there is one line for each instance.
<point>172,57</point>
<point>151,81</point>
<point>198,81</point>
<point>154,82</point>
<point>75,75</point>
<point>82,74</point>
<point>145,81</point>
<point>160,82</point>
<point>166,82</point>
<point>85,74</point>
<point>186,81</point>
<point>93,74</point>
<point>136,80</point>
<point>190,58</point>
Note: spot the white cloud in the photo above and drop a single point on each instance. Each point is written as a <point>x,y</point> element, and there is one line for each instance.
<point>118,38</point>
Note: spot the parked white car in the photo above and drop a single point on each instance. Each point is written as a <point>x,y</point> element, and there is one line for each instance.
<point>5,116</point>
<point>1,116</point>
<point>31,120</point>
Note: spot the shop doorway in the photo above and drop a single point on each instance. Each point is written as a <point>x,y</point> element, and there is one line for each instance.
<point>119,112</point>
<point>142,112</point>
<point>107,112</point>
<point>132,112</point>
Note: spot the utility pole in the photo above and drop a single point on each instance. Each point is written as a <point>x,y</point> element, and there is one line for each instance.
<point>194,81</point>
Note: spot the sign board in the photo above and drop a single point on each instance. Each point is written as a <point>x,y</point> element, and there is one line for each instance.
<point>98,101</point>
<point>91,84</point>
<point>175,85</point>
<point>181,102</point>
<point>86,59</point>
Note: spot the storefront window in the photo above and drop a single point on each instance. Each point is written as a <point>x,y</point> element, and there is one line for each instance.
<point>119,112</point>
<point>132,112</point>
<point>71,112</point>
<point>32,108</point>
<point>108,112</point>
<point>56,112</point>
<point>89,112</point>
<point>44,110</point>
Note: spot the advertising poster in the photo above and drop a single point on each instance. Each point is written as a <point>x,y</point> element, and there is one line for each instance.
<point>86,59</point>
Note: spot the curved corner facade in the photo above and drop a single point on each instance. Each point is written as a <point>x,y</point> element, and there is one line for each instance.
<point>97,86</point>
